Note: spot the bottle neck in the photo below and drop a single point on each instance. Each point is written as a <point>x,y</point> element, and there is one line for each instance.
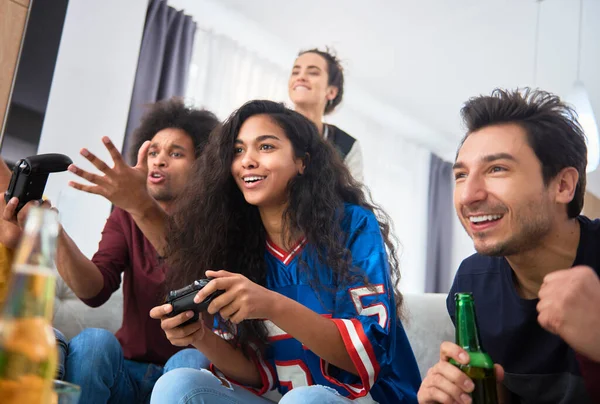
<point>31,293</point>
<point>467,334</point>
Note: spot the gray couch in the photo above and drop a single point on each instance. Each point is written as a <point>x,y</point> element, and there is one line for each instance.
<point>71,316</point>
<point>427,323</point>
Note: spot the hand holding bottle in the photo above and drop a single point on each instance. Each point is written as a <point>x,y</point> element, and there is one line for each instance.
<point>465,372</point>
<point>445,382</point>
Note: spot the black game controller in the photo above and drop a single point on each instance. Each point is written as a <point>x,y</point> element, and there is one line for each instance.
<point>183,300</point>
<point>30,174</point>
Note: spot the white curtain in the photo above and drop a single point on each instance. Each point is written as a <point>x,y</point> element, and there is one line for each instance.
<point>224,75</point>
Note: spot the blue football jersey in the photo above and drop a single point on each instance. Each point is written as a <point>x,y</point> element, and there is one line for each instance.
<point>365,316</point>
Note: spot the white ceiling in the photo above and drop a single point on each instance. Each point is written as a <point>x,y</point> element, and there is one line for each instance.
<point>425,58</point>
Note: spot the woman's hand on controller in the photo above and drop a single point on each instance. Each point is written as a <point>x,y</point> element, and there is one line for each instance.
<point>241,300</point>
<point>181,335</point>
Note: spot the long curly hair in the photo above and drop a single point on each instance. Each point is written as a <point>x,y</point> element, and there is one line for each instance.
<point>214,227</point>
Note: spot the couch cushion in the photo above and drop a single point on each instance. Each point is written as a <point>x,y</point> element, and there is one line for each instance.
<point>427,325</point>
<point>71,316</point>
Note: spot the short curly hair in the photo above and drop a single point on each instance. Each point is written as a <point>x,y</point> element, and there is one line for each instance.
<point>172,113</point>
<point>335,74</point>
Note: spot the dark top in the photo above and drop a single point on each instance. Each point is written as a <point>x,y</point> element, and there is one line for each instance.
<point>591,373</point>
<point>124,249</point>
<point>540,367</point>
<point>341,140</point>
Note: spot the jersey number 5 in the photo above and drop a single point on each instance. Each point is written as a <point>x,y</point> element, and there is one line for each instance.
<point>377,309</point>
<point>293,374</point>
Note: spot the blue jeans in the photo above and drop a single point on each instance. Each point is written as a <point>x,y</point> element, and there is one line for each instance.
<point>95,362</point>
<point>61,346</point>
<point>193,386</point>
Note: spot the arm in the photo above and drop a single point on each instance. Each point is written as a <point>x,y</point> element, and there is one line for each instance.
<point>95,280</point>
<point>568,307</point>
<point>244,299</point>
<point>317,333</point>
<point>79,273</point>
<point>82,276</point>
<point>226,358</point>
<point>125,187</point>
<point>229,360</point>
<point>152,221</point>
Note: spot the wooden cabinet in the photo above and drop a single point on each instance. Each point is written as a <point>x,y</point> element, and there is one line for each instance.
<point>13,19</point>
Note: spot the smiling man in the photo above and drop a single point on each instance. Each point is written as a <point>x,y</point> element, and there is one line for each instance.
<point>520,182</point>
<point>123,367</point>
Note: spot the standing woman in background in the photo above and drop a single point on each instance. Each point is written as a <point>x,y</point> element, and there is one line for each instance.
<point>316,88</point>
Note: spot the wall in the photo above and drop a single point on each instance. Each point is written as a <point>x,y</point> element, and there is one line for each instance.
<point>89,98</point>
<point>463,247</point>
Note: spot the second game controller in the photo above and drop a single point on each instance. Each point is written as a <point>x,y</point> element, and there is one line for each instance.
<point>183,300</point>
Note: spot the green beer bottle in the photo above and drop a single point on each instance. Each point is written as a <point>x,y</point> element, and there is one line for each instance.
<point>481,367</point>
